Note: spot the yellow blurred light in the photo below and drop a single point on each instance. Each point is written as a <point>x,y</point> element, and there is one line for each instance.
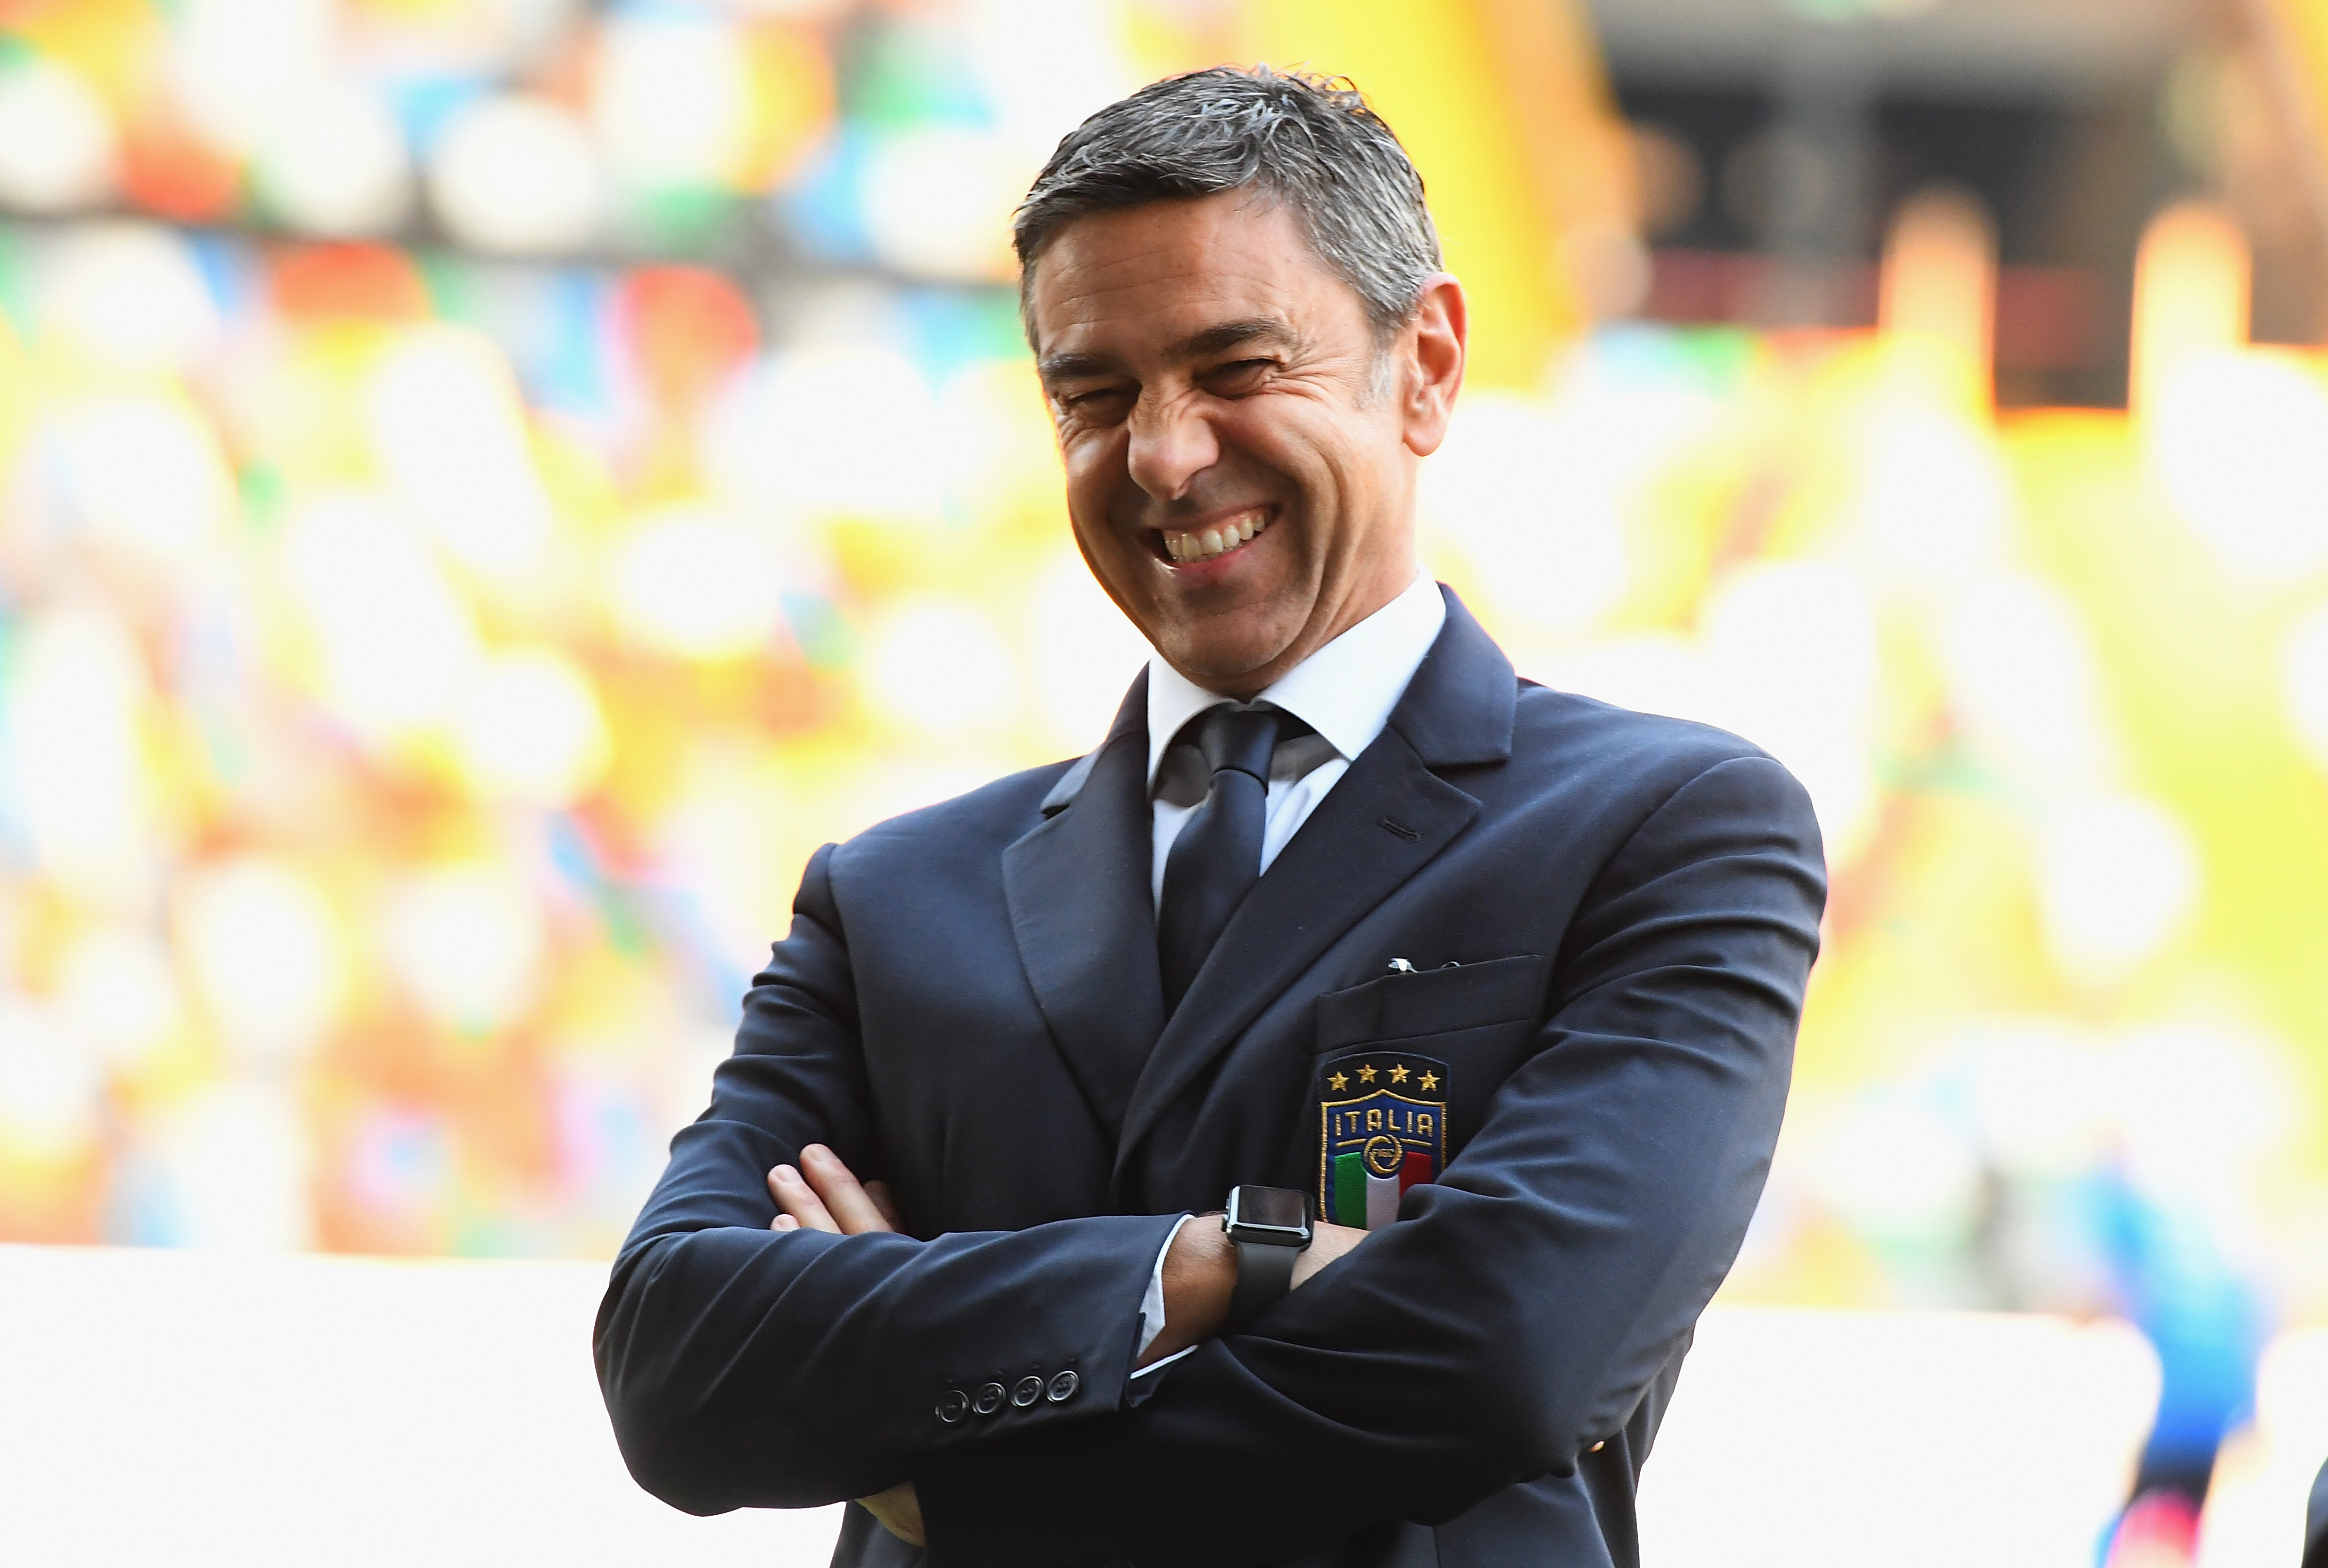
<point>2303,682</point>
<point>2192,281</point>
<point>146,471</point>
<point>938,664</point>
<point>51,1092</point>
<point>267,955</point>
<point>56,151</point>
<point>533,730</point>
<point>450,431</point>
<point>518,176</point>
<point>698,583</point>
<point>467,944</point>
<point>126,297</point>
<point>673,100</point>
<point>118,990</point>
<point>1939,276</point>
<point>77,695</point>
<point>398,650</point>
<point>2118,877</point>
<point>2239,437</point>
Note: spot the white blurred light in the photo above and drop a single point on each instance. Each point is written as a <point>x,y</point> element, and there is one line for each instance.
<point>445,417</point>
<point>1651,673</point>
<point>1935,498</point>
<point>146,471</point>
<point>397,647</point>
<point>533,730</point>
<point>2241,441</point>
<point>56,137</point>
<point>1086,652</point>
<point>2040,1092</point>
<point>518,174</point>
<point>266,956</point>
<point>118,990</point>
<point>937,664</point>
<point>2201,1106</point>
<point>50,1091</point>
<point>1536,503</point>
<point>1791,654</point>
<point>2024,682</point>
<point>673,99</point>
<point>937,200</point>
<point>237,63</point>
<point>694,581</point>
<point>129,296</point>
<point>2303,682</point>
<point>467,943</point>
<point>76,749</point>
<point>332,162</point>
<point>1896,1168</point>
<point>2116,878</point>
<point>235,1161</point>
<point>832,433</point>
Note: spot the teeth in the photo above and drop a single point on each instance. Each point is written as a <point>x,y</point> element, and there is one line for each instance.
<point>1214,541</point>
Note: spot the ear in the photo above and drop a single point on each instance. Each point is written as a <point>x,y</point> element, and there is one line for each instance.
<point>1435,343</point>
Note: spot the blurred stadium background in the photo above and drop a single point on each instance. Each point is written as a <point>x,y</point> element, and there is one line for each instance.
<point>488,486</point>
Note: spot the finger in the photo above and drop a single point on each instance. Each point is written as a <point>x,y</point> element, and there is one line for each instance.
<point>844,1196</point>
<point>884,1200</point>
<point>784,1222</point>
<point>796,1198</point>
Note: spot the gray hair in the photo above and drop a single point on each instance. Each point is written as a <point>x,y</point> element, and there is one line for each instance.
<point>1308,141</point>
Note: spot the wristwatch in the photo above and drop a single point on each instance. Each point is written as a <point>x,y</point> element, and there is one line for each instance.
<point>1270,1227</point>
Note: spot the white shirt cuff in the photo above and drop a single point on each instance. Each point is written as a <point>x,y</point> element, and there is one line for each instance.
<point>1152,1305</point>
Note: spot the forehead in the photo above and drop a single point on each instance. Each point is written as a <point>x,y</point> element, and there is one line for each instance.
<point>1114,283</point>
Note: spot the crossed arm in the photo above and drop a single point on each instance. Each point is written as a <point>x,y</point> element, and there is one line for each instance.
<point>1199,1276</point>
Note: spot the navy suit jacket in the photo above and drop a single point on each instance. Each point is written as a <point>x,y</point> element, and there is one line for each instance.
<point>1611,918</point>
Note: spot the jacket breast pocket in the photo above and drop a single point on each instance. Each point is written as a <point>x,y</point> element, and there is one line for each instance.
<point>1476,1018</point>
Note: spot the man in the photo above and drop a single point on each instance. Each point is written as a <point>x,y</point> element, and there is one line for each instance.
<point>1489,990</point>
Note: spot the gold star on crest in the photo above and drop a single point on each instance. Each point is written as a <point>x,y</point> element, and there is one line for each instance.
<point>1398,1074</point>
<point>1366,1074</point>
<point>1340,1080</point>
<point>1428,1080</point>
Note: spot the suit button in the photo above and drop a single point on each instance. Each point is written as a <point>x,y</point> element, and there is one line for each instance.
<point>1029,1390</point>
<point>990,1399</point>
<point>954,1406</point>
<point>1062,1389</point>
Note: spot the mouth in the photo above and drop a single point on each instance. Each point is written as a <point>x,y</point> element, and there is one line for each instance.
<point>1187,546</point>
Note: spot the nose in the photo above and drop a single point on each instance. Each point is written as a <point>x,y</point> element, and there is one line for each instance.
<point>1171,442</point>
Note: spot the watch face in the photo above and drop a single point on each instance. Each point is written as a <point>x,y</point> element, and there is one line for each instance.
<point>1278,1208</point>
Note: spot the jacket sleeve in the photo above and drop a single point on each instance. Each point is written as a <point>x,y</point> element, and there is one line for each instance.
<point>1518,1310</point>
<point>750,1368</point>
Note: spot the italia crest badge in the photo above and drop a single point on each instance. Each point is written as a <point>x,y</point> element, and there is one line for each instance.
<point>1382,1119</point>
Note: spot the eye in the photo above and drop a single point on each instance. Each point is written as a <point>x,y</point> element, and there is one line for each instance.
<point>1238,375</point>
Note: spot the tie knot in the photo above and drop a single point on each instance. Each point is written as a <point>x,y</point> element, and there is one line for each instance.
<point>1243,738</point>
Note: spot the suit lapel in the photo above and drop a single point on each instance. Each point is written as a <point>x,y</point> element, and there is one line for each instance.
<point>1389,816</point>
<point>1084,918</point>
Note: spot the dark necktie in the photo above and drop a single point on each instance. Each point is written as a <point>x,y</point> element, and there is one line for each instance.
<point>1216,858</point>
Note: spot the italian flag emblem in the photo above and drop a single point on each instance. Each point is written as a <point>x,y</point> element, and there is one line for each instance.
<point>1381,1129</point>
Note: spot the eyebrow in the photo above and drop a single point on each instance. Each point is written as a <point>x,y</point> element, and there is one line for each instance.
<point>1198,346</point>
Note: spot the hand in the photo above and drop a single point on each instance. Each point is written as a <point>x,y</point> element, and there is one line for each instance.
<point>1200,1275</point>
<point>900,1509</point>
<point>824,1194</point>
<point>1327,1242</point>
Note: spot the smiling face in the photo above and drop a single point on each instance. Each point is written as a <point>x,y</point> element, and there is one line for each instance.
<point>1240,449</point>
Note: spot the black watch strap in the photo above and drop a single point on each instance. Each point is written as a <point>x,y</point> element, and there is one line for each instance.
<point>1264,1272</point>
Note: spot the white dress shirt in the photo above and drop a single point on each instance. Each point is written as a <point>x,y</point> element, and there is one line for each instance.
<point>1343,692</point>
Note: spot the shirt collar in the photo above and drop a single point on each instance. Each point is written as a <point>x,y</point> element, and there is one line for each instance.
<point>1345,691</point>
